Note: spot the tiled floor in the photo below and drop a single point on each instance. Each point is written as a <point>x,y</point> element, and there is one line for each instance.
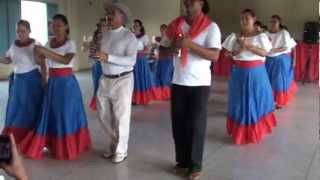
<point>292,152</point>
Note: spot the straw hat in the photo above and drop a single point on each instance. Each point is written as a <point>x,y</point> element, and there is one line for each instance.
<point>123,9</point>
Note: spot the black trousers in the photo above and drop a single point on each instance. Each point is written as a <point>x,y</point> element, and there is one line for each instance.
<point>189,121</point>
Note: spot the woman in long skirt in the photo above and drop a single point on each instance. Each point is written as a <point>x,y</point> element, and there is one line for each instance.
<point>164,72</point>
<point>251,106</point>
<point>63,126</point>
<point>95,45</point>
<point>144,85</point>
<point>280,64</point>
<point>26,89</point>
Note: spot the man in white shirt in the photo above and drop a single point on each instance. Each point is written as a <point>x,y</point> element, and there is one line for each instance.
<point>118,56</point>
<point>198,41</point>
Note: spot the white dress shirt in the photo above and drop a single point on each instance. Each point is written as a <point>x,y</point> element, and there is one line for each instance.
<point>121,45</point>
<point>261,40</point>
<point>22,58</point>
<point>197,71</point>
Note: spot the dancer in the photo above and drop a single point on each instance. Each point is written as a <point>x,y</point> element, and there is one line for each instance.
<point>164,72</point>
<point>63,126</point>
<point>26,89</point>
<point>118,57</point>
<point>95,45</point>
<point>144,85</point>
<point>198,42</point>
<point>251,106</point>
<point>279,64</point>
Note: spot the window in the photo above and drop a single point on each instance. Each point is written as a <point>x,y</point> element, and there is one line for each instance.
<point>36,14</point>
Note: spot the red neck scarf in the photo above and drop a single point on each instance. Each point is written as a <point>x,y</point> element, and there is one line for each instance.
<point>200,23</point>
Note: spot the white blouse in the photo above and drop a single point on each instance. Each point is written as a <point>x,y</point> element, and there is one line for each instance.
<point>22,58</point>
<point>281,39</point>
<point>143,42</point>
<point>260,40</point>
<point>68,47</point>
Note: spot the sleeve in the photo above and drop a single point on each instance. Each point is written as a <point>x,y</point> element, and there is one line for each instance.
<point>229,42</point>
<point>214,37</point>
<point>9,53</point>
<point>293,43</point>
<point>265,42</point>
<point>47,45</point>
<point>129,59</point>
<point>71,47</point>
<point>165,42</point>
<point>286,40</point>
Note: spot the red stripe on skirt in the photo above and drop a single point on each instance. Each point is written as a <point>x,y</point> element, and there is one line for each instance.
<point>68,147</point>
<point>245,134</point>
<point>282,98</point>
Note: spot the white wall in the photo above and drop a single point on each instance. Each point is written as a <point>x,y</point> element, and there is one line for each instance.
<point>83,18</point>
<point>293,12</point>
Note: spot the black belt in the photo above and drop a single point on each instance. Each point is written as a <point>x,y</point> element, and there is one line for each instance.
<point>117,75</point>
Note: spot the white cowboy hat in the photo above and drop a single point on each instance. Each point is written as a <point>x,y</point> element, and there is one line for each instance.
<point>123,8</point>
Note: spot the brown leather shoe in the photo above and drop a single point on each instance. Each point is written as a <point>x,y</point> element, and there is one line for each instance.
<point>194,175</point>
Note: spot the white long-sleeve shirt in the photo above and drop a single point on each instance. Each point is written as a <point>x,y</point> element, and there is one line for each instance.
<point>121,45</point>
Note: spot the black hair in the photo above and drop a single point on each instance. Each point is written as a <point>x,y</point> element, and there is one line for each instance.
<point>24,23</point>
<point>98,29</point>
<point>64,19</point>
<point>249,11</point>
<point>258,23</point>
<point>264,27</point>
<point>143,31</point>
<point>206,7</point>
<point>277,17</point>
<point>163,26</point>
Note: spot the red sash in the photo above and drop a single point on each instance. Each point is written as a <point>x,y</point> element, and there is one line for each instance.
<point>174,30</point>
<point>60,71</point>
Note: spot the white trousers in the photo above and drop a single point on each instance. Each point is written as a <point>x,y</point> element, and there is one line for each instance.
<point>114,106</point>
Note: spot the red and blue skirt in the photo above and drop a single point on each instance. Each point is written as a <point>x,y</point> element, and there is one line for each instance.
<point>96,74</point>
<point>281,74</point>
<point>63,128</point>
<point>163,78</point>
<point>250,104</point>
<point>24,106</point>
<point>144,85</point>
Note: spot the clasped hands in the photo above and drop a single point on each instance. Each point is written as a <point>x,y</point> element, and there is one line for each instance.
<point>180,42</point>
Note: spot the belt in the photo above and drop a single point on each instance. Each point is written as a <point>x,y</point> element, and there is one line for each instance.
<point>117,75</point>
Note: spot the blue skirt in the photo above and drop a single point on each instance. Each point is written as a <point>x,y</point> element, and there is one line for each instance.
<point>281,74</point>
<point>163,78</point>
<point>24,106</point>
<point>144,85</point>
<point>96,74</point>
<point>250,104</point>
<point>63,126</point>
